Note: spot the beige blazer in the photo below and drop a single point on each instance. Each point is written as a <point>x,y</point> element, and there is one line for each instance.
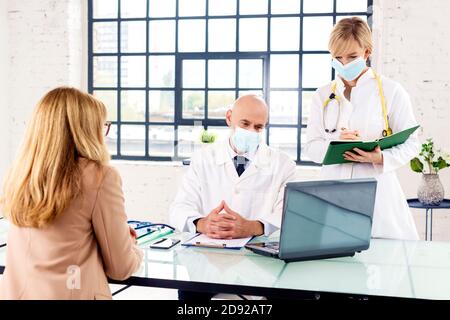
<point>72,258</point>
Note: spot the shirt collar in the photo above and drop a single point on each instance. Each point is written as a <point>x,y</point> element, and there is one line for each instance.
<point>224,153</point>
<point>231,153</point>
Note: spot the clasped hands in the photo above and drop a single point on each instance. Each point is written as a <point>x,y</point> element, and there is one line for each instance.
<point>224,223</point>
<point>358,155</point>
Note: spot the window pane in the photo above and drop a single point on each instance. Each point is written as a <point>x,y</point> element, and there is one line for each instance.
<point>339,18</point>
<point>219,102</point>
<point>105,9</point>
<point>285,34</point>
<point>161,105</point>
<point>307,97</point>
<point>109,99</point>
<point>132,105</point>
<point>193,104</point>
<point>284,71</point>
<point>191,8</point>
<point>284,139</point>
<point>250,73</point>
<point>222,133</point>
<point>285,6</point>
<point>133,8</point>
<point>316,70</point>
<point>193,74</point>
<point>162,71</point>
<point>162,36</point>
<point>132,140</point>
<point>162,8</point>
<point>253,6</point>
<point>105,71</point>
<point>188,140</point>
<point>351,6</point>
<point>316,32</point>
<point>222,8</point>
<point>303,155</point>
<point>258,93</point>
<point>191,36</point>
<point>317,6</point>
<point>161,140</point>
<point>111,140</point>
<point>253,34</point>
<point>132,71</point>
<point>133,36</point>
<point>104,37</point>
<point>284,107</point>
<point>222,73</point>
<point>222,35</point>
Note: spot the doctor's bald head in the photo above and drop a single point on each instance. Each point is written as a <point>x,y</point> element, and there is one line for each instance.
<point>248,112</point>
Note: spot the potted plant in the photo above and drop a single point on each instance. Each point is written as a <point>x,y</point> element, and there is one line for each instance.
<point>429,162</point>
<point>207,137</point>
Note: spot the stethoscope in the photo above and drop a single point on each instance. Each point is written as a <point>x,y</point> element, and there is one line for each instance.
<point>387,129</point>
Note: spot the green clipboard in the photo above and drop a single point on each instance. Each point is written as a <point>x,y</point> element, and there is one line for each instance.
<point>336,149</point>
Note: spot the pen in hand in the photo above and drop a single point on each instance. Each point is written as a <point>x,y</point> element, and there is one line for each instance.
<point>349,134</point>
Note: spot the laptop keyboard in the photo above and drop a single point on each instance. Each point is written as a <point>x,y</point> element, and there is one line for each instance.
<point>272,245</point>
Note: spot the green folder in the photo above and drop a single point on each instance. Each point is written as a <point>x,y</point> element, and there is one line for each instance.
<point>153,236</point>
<point>336,149</point>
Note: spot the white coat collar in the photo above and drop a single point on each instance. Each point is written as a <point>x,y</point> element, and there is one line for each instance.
<point>261,157</point>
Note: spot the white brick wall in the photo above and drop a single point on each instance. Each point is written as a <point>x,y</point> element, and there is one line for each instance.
<point>415,51</point>
<point>47,48</point>
<point>4,110</point>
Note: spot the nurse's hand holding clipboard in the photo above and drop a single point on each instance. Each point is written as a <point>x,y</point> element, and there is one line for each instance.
<point>375,156</point>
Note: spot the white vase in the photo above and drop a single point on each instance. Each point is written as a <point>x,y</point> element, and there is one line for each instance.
<point>431,191</point>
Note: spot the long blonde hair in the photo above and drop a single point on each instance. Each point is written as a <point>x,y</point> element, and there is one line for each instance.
<point>66,125</point>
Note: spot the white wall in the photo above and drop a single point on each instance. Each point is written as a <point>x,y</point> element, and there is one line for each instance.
<point>416,52</point>
<point>4,108</point>
<point>48,48</point>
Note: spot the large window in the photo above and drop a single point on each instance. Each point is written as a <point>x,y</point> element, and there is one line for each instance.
<point>167,69</point>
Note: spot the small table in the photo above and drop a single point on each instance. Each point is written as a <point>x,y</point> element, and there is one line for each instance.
<point>415,203</point>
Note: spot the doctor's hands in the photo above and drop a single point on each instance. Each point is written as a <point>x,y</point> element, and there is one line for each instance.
<point>224,223</point>
<point>349,134</point>
<point>375,156</point>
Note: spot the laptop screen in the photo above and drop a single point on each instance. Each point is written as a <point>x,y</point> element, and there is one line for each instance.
<point>327,217</point>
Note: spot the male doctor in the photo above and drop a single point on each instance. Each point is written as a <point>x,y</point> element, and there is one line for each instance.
<point>235,188</point>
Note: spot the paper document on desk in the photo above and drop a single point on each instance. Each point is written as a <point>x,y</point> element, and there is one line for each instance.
<point>202,240</point>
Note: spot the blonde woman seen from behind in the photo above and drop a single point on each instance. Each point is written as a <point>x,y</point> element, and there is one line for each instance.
<point>65,205</point>
<point>360,104</point>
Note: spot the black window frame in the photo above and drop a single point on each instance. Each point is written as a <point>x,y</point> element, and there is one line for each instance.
<point>178,120</point>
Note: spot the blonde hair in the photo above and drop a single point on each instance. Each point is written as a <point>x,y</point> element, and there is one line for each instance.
<point>66,125</point>
<point>348,29</point>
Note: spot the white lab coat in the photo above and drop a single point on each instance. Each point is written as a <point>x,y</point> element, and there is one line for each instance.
<point>392,217</point>
<point>256,195</point>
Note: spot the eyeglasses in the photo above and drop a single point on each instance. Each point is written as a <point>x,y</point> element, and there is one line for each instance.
<point>107,127</point>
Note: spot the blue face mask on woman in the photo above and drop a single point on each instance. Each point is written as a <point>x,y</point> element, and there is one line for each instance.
<point>245,141</point>
<point>351,70</point>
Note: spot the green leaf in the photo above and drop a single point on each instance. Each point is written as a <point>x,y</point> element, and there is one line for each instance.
<point>440,164</point>
<point>416,165</point>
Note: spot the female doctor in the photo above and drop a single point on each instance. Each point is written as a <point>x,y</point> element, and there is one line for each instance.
<point>362,105</point>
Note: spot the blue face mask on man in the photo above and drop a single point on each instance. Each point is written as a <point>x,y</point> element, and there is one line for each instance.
<point>245,141</point>
<point>351,70</point>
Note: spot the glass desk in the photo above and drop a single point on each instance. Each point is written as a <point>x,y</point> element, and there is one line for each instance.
<point>390,268</point>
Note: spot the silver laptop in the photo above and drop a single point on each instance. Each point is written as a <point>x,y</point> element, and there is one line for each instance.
<point>323,219</point>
